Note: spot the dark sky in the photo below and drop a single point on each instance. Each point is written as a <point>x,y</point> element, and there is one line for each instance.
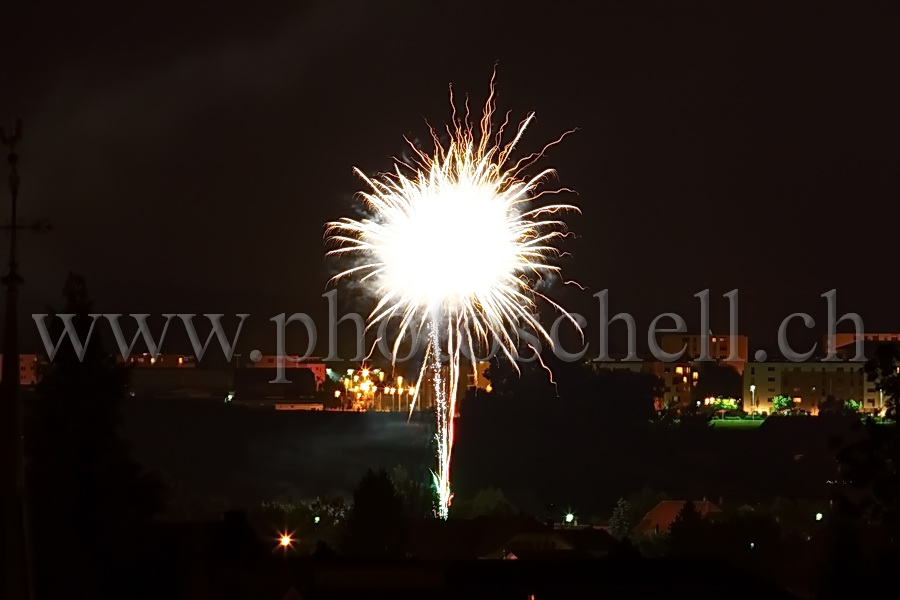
<point>188,154</point>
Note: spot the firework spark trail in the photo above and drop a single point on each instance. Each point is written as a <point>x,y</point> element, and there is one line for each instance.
<point>453,244</point>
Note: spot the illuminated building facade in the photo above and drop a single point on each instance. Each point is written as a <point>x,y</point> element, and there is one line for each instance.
<point>270,361</point>
<point>721,348</point>
<point>809,383</point>
<point>845,343</point>
<point>29,369</point>
<point>160,361</point>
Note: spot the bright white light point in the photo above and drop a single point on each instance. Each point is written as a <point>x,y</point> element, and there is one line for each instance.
<point>818,516</point>
<point>570,517</point>
<point>286,540</point>
<point>458,243</point>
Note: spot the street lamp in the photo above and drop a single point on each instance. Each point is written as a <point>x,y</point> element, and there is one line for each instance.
<point>752,397</point>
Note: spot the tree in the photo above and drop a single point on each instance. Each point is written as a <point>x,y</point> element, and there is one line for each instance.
<point>87,494</point>
<point>783,403</point>
<point>640,503</point>
<point>619,523</point>
<point>418,501</point>
<point>717,380</point>
<point>527,383</point>
<point>375,524</point>
<point>882,370</point>
<point>687,533</point>
<point>623,395</point>
<point>833,406</point>
<point>487,502</point>
<point>721,404</point>
<point>852,406</point>
<point>491,501</point>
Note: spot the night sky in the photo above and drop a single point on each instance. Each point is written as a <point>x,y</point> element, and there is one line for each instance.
<point>188,154</point>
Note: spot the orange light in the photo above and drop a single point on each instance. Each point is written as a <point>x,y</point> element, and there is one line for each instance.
<point>152,360</point>
<point>489,388</point>
<point>695,375</point>
<point>337,393</point>
<point>180,360</point>
<point>679,370</point>
<point>286,540</point>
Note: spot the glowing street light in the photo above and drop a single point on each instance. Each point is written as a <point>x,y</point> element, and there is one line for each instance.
<point>752,397</point>
<point>818,516</point>
<point>570,518</point>
<point>285,540</point>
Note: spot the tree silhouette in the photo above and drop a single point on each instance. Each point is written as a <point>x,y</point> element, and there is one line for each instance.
<point>619,524</point>
<point>714,380</point>
<point>87,495</point>
<point>687,533</point>
<point>882,371</point>
<point>491,502</point>
<point>417,499</point>
<point>375,524</point>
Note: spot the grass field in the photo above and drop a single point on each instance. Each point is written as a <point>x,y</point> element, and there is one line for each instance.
<point>737,423</point>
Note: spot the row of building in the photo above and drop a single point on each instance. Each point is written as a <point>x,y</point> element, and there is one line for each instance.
<point>808,383</point>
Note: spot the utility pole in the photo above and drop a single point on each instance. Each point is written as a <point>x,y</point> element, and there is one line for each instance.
<point>15,559</point>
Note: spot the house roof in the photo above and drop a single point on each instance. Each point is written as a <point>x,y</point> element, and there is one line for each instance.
<point>660,517</point>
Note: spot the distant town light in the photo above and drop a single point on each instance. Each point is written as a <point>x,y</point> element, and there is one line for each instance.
<point>286,540</point>
<point>317,519</point>
<point>818,516</point>
<point>570,517</point>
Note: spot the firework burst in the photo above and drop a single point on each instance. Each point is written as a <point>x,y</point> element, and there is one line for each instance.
<point>454,243</point>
